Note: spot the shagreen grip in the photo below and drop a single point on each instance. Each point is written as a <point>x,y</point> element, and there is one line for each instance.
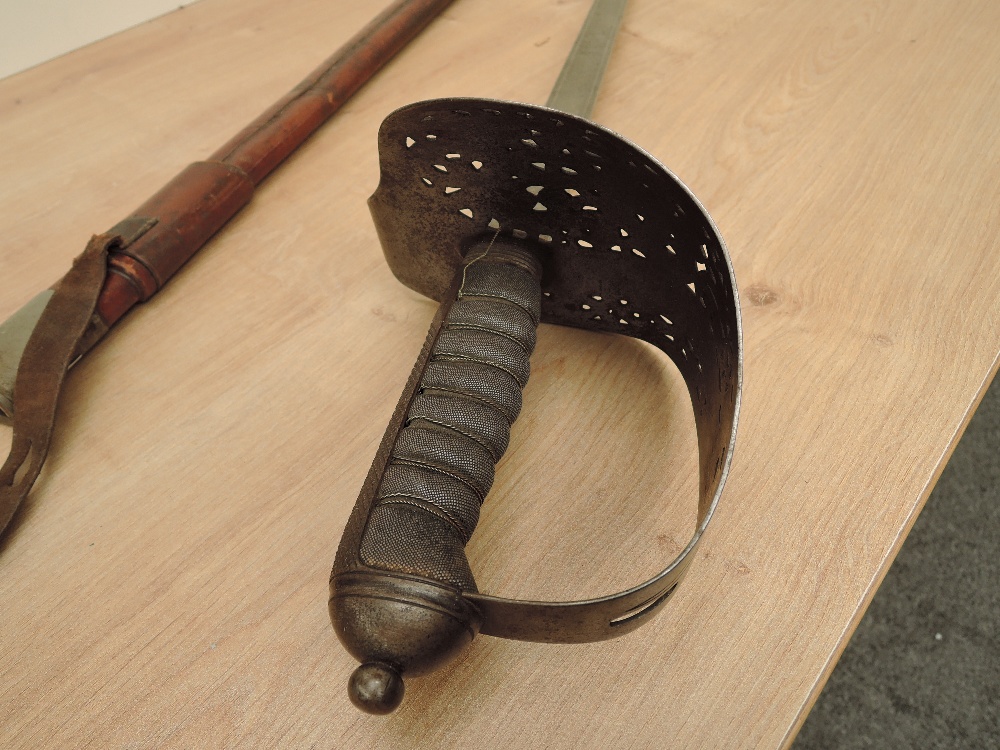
<point>401,611</point>
<point>458,425</point>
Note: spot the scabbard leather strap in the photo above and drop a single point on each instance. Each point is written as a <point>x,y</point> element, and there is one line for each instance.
<point>42,369</point>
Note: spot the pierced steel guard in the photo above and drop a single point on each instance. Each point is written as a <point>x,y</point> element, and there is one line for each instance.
<point>509,214</point>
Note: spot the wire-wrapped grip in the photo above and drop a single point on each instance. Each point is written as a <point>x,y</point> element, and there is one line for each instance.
<point>401,609</point>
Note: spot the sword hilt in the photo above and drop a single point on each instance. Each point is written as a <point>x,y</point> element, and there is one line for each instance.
<point>437,474</point>
<point>626,249</point>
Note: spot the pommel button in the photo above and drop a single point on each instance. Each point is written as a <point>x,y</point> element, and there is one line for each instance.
<point>376,688</point>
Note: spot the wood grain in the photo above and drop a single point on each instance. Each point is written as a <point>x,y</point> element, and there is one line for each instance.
<point>166,584</point>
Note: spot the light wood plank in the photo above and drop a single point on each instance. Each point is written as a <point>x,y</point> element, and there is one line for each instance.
<point>166,585</point>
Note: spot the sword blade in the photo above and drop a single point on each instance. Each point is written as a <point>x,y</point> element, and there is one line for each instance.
<point>14,335</point>
<point>576,88</point>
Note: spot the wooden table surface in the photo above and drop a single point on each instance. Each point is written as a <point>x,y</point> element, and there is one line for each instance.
<point>166,584</point>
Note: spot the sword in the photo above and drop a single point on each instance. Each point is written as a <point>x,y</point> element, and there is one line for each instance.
<point>511,214</point>
<point>135,258</point>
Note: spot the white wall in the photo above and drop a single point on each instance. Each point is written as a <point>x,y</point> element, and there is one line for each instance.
<point>33,31</point>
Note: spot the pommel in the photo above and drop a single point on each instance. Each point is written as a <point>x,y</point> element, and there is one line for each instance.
<point>376,688</point>
<point>397,626</point>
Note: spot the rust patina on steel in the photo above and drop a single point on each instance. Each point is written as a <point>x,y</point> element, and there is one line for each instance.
<point>150,245</point>
<point>511,215</point>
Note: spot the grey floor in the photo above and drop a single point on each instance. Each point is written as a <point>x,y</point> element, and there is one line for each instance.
<point>923,667</point>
